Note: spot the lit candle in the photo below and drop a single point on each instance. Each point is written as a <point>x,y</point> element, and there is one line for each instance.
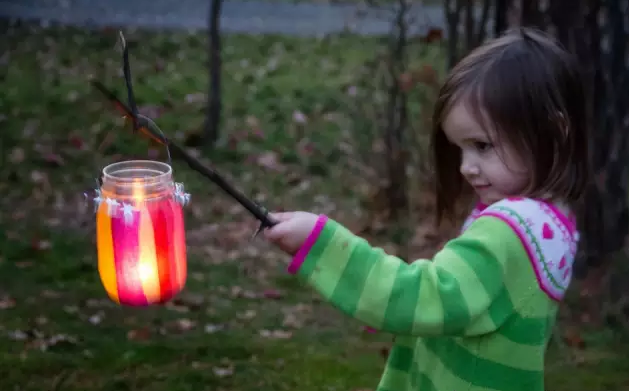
<point>140,233</point>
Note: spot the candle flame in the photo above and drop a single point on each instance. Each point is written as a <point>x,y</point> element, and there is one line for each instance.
<point>137,191</point>
<point>148,271</point>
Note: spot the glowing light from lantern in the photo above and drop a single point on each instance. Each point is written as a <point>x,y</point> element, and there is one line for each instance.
<point>140,233</point>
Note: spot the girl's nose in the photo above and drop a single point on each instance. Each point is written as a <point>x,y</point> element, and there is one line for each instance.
<point>468,166</point>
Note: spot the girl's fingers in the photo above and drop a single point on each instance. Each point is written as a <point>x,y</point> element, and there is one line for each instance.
<point>275,232</point>
<point>282,216</point>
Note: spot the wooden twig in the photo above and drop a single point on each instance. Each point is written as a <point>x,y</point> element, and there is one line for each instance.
<point>146,126</point>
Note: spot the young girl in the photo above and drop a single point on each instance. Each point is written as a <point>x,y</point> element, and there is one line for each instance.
<point>510,122</point>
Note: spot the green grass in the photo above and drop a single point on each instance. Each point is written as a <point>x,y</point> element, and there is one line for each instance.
<point>242,323</point>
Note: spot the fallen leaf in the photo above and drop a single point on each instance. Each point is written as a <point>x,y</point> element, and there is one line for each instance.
<point>96,318</point>
<point>41,245</point>
<point>270,161</point>
<point>406,81</point>
<point>572,337</point>
<point>38,177</point>
<point>299,117</point>
<point>50,294</point>
<point>174,306</point>
<point>56,341</point>
<point>213,328</point>
<point>247,294</point>
<point>6,303</point>
<point>235,291</point>
<point>292,321</point>
<point>71,309</point>
<point>247,315</point>
<point>305,147</point>
<point>141,334</point>
<point>17,156</point>
<point>252,121</point>
<point>72,96</point>
<point>276,334</point>
<point>18,335</point>
<point>272,294</point>
<point>185,324</point>
<point>191,301</point>
<point>223,371</point>
<point>197,97</point>
<point>41,320</point>
<point>77,142</point>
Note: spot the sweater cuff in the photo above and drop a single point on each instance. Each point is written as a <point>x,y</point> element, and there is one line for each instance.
<point>305,248</point>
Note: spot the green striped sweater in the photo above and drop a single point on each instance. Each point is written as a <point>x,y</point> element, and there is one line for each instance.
<point>478,316</point>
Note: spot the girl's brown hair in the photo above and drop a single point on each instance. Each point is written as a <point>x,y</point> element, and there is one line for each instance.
<point>529,90</point>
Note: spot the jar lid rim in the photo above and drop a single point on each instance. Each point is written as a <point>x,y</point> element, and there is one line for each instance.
<point>161,170</point>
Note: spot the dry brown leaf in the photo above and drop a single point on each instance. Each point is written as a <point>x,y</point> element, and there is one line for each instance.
<point>272,294</point>
<point>17,156</point>
<point>185,324</point>
<point>270,160</point>
<point>6,302</point>
<point>141,334</point>
<point>572,337</point>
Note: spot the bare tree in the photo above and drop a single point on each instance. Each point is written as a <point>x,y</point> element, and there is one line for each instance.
<point>385,135</point>
<point>474,29</point>
<point>501,21</point>
<point>397,116</point>
<point>605,55</point>
<point>214,105</point>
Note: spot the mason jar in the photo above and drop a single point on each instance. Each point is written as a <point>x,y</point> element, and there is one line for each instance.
<point>140,233</point>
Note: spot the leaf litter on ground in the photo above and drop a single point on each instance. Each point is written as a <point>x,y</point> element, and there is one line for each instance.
<point>285,124</point>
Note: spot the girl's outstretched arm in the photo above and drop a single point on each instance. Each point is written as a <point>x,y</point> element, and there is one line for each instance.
<point>461,291</point>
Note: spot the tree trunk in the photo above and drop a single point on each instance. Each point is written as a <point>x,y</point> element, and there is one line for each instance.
<point>214,104</point>
<point>397,119</point>
<point>530,14</point>
<point>460,13</point>
<point>501,16</point>
<point>605,216</point>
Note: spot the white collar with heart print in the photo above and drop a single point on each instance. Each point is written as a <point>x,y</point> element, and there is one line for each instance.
<point>549,237</point>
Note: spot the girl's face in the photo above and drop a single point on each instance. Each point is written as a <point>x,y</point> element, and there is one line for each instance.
<point>492,168</point>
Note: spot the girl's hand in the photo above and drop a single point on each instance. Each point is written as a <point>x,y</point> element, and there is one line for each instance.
<point>291,231</point>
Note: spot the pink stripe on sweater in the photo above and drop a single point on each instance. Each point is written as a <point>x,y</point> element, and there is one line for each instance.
<point>305,248</point>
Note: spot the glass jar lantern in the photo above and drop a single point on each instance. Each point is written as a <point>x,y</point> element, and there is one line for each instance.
<point>140,233</point>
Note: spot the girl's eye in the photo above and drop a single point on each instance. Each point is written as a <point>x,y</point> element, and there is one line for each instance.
<point>482,146</point>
